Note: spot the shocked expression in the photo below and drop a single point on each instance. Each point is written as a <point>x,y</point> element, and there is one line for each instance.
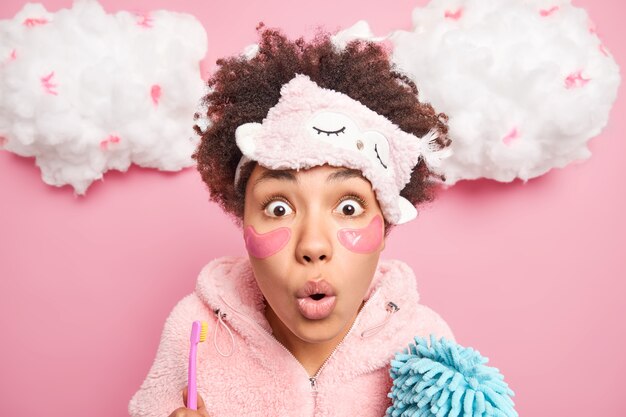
<point>314,239</point>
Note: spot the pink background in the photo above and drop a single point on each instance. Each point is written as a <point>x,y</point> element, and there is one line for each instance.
<point>532,275</point>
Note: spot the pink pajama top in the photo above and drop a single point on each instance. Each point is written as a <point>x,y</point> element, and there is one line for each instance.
<point>261,377</point>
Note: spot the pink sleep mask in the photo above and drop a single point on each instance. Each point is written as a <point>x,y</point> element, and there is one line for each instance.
<point>312,126</point>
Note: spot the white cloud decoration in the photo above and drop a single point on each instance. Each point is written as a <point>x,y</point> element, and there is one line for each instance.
<point>526,84</point>
<point>84,91</point>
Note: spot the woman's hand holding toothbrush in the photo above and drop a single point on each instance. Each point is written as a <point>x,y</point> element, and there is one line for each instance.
<point>186,412</point>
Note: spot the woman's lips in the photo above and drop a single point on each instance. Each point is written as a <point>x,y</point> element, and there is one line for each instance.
<point>315,287</point>
<point>318,309</point>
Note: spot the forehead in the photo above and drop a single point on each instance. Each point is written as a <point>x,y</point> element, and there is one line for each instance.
<point>327,174</point>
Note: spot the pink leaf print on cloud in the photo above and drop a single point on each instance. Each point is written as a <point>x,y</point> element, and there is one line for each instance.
<point>548,12</point>
<point>32,22</point>
<point>511,136</point>
<point>155,93</point>
<point>11,57</point>
<point>47,85</point>
<point>144,20</point>
<point>575,80</point>
<point>456,15</point>
<point>104,145</point>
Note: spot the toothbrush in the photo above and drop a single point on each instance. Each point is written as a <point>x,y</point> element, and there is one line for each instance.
<point>198,335</point>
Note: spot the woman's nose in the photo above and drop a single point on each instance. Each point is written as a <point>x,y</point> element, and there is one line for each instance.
<point>314,242</point>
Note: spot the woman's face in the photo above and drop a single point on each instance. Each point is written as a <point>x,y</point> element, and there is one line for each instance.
<point>314,238</point>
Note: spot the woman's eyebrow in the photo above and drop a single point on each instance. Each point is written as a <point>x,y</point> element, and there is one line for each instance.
<point>344,174</point>
<point>276,174</point>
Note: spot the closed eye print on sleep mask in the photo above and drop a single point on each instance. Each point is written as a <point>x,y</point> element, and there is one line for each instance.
<point>365,240</point>
<point>339,130</point>
<point>264,245</point>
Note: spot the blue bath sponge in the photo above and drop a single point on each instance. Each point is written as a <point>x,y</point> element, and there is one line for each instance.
<point>445,379</point>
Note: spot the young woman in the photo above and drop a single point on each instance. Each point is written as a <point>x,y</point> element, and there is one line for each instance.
<point>317,152</point>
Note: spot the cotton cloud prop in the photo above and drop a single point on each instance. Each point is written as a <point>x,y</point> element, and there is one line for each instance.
<point>526,84</point>
<point>84,91</point>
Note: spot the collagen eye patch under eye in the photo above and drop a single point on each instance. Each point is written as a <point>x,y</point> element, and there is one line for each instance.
<point>365,240</point>
<point>266,244</point>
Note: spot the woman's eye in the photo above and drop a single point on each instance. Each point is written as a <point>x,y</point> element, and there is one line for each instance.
<point>277,208</point>
<point>350,207</point>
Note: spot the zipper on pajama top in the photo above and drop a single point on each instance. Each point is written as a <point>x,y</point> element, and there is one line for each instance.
<point>313,380</point>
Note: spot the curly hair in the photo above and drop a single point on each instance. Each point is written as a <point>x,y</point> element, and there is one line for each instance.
<point>243,90</point>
